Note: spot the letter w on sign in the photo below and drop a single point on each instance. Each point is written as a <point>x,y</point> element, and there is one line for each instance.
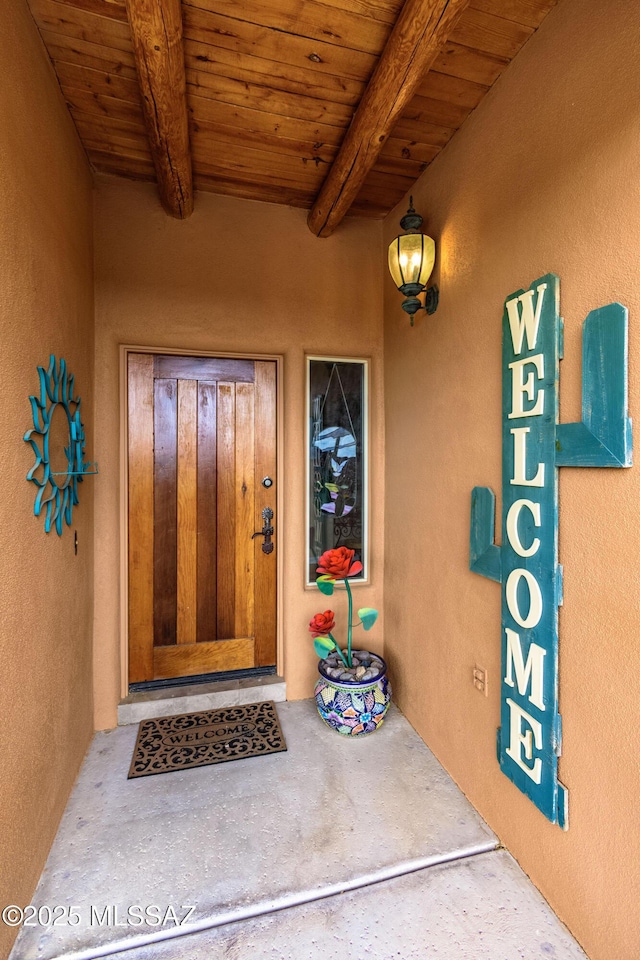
<point>534,445</point>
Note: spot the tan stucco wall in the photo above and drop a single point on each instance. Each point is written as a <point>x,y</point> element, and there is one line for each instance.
<point>544,177</point>
<point>46,306</point>
<point>245,277</point>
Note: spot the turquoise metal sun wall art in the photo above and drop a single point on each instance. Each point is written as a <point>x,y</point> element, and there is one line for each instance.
<point>60,464</point>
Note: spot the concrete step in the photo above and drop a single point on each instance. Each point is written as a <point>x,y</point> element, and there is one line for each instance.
<point>479,908</point>
<point>190,698</point>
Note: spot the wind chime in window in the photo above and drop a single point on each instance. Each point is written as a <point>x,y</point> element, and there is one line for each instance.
<point>336,398</point>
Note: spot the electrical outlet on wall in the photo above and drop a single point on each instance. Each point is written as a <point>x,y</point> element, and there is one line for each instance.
<point>480,679</point>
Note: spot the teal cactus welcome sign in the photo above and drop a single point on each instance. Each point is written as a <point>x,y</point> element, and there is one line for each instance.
<point>534,445</point>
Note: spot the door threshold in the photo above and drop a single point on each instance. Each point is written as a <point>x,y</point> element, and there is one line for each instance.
<point>201,678</point>
<point>192,697</point>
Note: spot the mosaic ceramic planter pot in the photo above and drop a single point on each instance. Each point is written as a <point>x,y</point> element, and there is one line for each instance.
<point>353,707</point>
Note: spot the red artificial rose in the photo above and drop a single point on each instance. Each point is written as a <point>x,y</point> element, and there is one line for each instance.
<point>322,623</point>
<point>338,563</point>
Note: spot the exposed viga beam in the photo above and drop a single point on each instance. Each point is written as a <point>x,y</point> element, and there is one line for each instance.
<point>421,30</point>
<point>156,32</point>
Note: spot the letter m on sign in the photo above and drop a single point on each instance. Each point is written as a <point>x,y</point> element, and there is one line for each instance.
<point>534,445</point>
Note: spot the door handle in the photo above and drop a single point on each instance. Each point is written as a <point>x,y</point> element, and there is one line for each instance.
<point>267,530</point>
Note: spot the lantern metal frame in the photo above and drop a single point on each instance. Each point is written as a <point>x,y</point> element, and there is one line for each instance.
<point>411,223</point>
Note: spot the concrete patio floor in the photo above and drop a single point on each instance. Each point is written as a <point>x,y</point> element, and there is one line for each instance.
<point>365,847</point>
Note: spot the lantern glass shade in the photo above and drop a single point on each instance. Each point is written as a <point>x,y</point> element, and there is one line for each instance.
<point>411,259</point>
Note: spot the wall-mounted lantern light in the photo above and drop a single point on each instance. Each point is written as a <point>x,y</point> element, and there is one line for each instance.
<point>411,259</point>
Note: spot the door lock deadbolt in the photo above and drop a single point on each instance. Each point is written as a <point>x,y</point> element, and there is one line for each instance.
<point>267,482</point>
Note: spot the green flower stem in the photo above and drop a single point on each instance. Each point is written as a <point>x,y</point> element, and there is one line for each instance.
<point>339,650</point>
<point>349,618</point>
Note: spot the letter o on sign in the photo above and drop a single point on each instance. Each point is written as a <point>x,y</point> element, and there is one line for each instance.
<point>535,598</point>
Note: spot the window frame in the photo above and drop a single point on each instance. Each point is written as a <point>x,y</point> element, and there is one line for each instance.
<point>364,363</point>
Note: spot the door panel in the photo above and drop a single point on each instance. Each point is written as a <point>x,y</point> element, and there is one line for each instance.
<point>184,660</point>
<point>201,439</point>
<point>165,530</point>
<point>141,517</point>
<point>214,369</point>
<point>226,510</point>
<point>207,625</point>
<point>245,510</point>
<point>265,588</point>
<point>187,489</point>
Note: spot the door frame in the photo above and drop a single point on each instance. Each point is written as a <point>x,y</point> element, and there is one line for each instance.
<point>125,350</point>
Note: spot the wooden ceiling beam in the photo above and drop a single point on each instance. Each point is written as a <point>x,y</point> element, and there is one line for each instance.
<point>156,30</point>
<point>421,29</point>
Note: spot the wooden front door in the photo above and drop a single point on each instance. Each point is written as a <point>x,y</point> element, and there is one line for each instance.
<point>202,468</point>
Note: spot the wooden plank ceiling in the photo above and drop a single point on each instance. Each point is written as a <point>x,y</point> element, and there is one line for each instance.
<point>272,87</point>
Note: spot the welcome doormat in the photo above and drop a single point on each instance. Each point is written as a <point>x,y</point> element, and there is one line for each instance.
<point>210,736</point>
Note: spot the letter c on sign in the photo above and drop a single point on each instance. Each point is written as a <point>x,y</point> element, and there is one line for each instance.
<point>512,527</point>
<point>535,598</point>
